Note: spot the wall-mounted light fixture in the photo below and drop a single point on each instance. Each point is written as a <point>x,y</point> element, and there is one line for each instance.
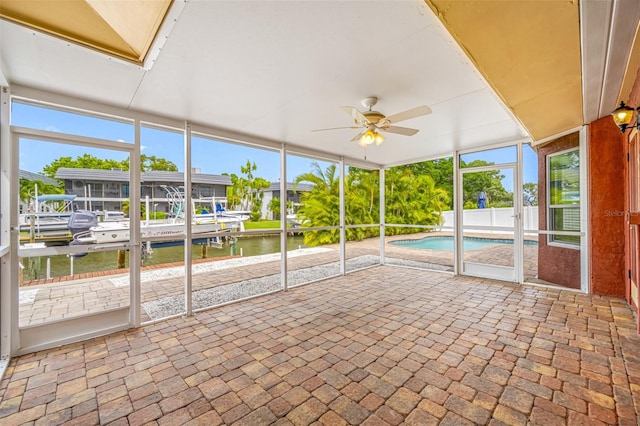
<point>623,115</point>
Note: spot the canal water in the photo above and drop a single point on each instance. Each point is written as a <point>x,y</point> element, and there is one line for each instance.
<point>36,268</point>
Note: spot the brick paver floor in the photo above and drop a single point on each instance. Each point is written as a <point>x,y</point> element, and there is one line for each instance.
<point>75,296</point>
<point>380,346</point>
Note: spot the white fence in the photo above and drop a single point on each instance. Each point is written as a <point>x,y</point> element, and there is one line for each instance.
<point>493,217</point>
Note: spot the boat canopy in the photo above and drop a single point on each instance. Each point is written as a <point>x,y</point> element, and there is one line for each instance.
<point>56,197</point>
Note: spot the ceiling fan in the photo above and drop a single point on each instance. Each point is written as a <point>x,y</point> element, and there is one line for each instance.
<point>373,121</point>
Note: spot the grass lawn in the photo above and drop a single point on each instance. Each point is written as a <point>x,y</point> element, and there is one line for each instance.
<point>262,224</point>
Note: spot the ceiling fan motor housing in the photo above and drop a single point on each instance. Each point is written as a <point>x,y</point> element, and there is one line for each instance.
<point>373,117</point>
<point>372,121</point>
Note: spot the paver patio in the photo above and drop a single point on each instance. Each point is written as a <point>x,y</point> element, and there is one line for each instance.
<point>380,346</point>
<point>59,299</point>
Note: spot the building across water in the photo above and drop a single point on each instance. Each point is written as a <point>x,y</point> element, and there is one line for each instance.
<point>108,190</point>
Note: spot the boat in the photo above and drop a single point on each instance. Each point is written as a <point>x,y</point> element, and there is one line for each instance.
<point>114,232</point>
<point>48,215</point>
<point>211,209</point>
<point>214,208</point>
<point>86,229</point>
<point>295,222</point>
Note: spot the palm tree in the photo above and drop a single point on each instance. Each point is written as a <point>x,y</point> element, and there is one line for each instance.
<point>362,202</point>
<point>274,207</point>
<point>27,189</point>
<point>321,205</point>
<point>412,200</point>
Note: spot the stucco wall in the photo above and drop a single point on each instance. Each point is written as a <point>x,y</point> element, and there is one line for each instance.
<point>558,265</point>
<point>607,188</point>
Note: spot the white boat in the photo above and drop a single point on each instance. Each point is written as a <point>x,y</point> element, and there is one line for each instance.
<point>173,230</point>
<point>210,209</point>
<point>295,222</point>
<point>114,232</point>
<point>218,208</point>
<point>48,215</point>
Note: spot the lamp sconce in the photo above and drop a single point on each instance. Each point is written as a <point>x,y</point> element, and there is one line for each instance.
<point>623,115</point>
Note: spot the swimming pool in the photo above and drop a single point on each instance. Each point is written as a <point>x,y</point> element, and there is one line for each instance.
<point>446,243</point>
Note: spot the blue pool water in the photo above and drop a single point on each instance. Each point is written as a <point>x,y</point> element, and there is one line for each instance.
<point>446,243</point>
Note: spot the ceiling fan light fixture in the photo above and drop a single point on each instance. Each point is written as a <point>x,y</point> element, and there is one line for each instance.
<point>367,138</point>
<point>378,138</point>
<point>369,122</point>
<point>370,137</point>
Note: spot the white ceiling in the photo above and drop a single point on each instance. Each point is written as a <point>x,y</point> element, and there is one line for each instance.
<point>608,31</point>
<point>278,70</point>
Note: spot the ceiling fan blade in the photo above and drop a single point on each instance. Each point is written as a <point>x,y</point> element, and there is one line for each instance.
<point>336,128</point>
<point>357,115</point>
<point>358,136</point>
<point>408,114</point>
<point>400,130</point>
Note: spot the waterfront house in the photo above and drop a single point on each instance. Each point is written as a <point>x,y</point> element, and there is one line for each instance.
<point>108,189</point>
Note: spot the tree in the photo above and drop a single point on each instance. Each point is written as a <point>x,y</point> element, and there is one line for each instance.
<point>27,189</point>
<point>151,162</point>
<point>489,182</point>
<point>412,200</point>
<point>530,194</point>
<point>274,207</point>
<point>362,202</point>
<point>247,191</point>
<point>88,161</point>
<point>85,161</point>
<point>321,205</point>
<point>143,210</point>
<point>440,170</point>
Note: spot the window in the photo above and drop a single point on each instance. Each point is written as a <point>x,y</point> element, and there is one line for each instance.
<point>112,190</point>
<point>206,191</point>
<point>563,189</point>
<point>95,189</point>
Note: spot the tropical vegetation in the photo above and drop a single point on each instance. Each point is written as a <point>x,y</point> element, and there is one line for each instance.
<point>28,189</point>
<point>320,207</point>
<point>143,211</point>
<point>247,190</point>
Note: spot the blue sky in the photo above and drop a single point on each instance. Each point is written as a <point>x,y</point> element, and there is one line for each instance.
<point>210,156</point>
<point>509,155</point>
